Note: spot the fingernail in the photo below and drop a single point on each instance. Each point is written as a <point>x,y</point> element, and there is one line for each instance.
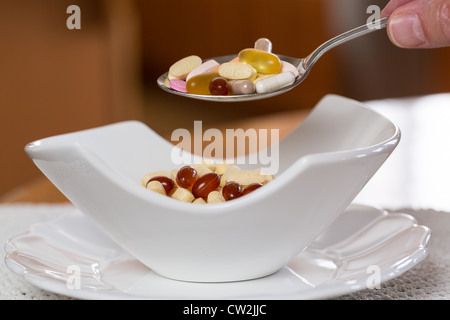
<point>406,30</point>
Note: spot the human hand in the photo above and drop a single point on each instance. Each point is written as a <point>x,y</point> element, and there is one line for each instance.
<point>418,23</point>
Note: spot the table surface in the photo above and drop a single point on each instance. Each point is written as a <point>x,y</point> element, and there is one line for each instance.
<point>415,179</point>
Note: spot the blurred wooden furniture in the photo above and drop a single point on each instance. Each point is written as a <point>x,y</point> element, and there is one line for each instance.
<point>54,80</point>
<point>40,190</point>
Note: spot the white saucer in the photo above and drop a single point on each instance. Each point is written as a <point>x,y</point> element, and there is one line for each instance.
<point>362,246</point>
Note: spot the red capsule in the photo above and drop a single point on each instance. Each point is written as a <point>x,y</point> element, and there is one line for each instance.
<point>231,190</point>
<point>219,87</point>
<point>251,187</point>
<point>206,184</point>
<point>166,182</point>
<point>186,177</point>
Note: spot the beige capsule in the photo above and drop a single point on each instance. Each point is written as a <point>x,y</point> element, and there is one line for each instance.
<point>215,197</point>
<point>209,163</point>
<point>221,168</point>
<point>199,201</point>
<point>239,87</point>
<point>201,169</point>
<point>156,186</point>
<point>246,177</point>
<point>183,194</point>
<point>173,174</point>
<point>230,170</point>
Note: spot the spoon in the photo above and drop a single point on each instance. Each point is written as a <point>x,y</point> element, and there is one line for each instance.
<point>303,65</point>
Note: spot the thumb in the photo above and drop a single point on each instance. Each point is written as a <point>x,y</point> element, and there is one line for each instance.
<point>421,24</point>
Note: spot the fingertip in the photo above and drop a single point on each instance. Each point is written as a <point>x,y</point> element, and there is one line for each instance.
<point>405,30</point>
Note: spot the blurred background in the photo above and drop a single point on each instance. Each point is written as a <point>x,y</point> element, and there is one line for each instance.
<point>54,80</point>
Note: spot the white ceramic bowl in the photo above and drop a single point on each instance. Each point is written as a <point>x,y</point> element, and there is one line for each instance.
<point>324,163</point>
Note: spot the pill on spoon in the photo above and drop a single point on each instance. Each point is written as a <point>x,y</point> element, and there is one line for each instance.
<point>261,76</point>
<point>236,71</point>
<point>275,82</point>
<point>219,87</point>
<point>264,62</point>
<point>167,83</point>
<point>181,68</point>
<point>286,66</point>
<point>263,44</point>
<point>178,85</point>
<point>207,66</point>
<point>199,84</point>
<point>239,87</point>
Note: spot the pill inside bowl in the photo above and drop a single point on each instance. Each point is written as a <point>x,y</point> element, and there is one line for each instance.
<point>205,182</point>
<point>253,70</point>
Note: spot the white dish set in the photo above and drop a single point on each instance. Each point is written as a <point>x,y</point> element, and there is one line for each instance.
<point>324,163</point>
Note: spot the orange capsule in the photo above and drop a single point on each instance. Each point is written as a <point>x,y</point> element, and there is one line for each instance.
<point>232,190</point>
<point>206,184</point>
<point>186,177</point>
<point>251,187</point>
<point>166,182</point>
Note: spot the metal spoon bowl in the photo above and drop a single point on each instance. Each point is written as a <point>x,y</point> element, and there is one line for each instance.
<point>235,98</point>
<point>303,65</point>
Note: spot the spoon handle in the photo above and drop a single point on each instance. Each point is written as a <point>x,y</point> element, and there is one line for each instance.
<point>310,60</point>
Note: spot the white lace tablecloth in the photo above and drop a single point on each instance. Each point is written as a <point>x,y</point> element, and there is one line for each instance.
<point>430,279</point>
